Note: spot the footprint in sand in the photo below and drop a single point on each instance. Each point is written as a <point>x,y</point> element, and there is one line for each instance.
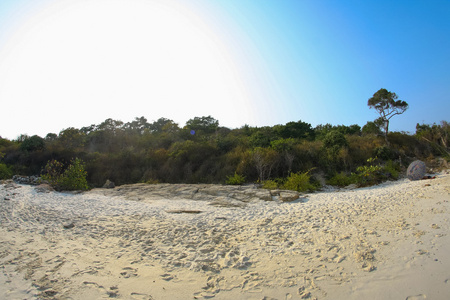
<point>305,290</point>
<point>94,285</point>
<point>129,272</point>
<point>139,296</point>
<point>304,294</point>
<point>113,291</point>
<point>167,277</point>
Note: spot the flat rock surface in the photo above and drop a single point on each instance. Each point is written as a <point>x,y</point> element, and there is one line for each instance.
<point>202,192</point>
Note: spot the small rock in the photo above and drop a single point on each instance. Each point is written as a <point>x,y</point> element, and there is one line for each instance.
<point>44,188</point>
<point>33,180</point>
<point>351,186</point>
<point>10,185</point>
<point>263,195</point>
<point>416,170</point>
<point>288,196</point>
<point>68,225</point>
<point>50,293</point>
<point>109,184</point>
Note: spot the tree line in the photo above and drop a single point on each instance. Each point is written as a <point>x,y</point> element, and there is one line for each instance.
<point>202,151</point>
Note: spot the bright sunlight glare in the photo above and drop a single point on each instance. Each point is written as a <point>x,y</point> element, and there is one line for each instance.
<point>79,62</point>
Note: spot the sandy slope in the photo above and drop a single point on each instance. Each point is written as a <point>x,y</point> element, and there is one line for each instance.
<point>384,242</point>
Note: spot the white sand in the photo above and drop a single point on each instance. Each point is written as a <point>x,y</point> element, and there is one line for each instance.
<point>385,242</point>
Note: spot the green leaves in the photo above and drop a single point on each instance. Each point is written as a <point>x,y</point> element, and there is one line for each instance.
<point>373,173</point>
<point>71,179</point>
<point>33,143</point>
<point>236,179</point>
<point>384,102</point>
<point>207,124</point>
<point>5,171</point>
<point>299,182</point>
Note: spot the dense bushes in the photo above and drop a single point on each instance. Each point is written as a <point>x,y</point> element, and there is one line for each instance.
<point>69,179</point>
<point>5,171</point>
<point>438,137</point>
<point>373,172</point>
<point>334,149</point>
<point>203,152</point>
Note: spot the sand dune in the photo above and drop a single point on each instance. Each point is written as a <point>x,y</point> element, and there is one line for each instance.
<point>385,242</point>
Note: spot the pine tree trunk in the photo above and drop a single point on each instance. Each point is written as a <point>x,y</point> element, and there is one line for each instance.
<point>386,130</point>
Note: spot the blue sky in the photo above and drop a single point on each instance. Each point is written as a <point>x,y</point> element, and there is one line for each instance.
<point>72,63</point>
<point>328,57</point>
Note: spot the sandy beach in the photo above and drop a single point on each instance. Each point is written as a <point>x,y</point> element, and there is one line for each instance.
<point>384,242</point>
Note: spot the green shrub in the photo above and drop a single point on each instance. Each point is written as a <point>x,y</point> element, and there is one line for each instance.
<point>53,172</point>
<point>392,169</point>
<point>299,182</point>
<point>270,185</point>
<point>335,139</point>
<point>236,179</point>
<point>367,175</point>
<point>334,144</point>
<point>152,181</point>
<point>375,173</point>
<point>73,178</point>
<point>384,152</point>
<point>5,172</point>
<point>341,179</point>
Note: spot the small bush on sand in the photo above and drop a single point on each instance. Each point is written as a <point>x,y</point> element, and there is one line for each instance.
<point>71,179</point>
<point>370,174</point>
<point>299,182</point>
<point>341,179</point>
<point>375,173</point>
<point>152,181</point>
<point>74,177</point>
<point>236,179</point>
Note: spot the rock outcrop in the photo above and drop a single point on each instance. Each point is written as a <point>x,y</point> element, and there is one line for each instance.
<point>219,195</point>
<point>109,184</point>
<point>33,180</point>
